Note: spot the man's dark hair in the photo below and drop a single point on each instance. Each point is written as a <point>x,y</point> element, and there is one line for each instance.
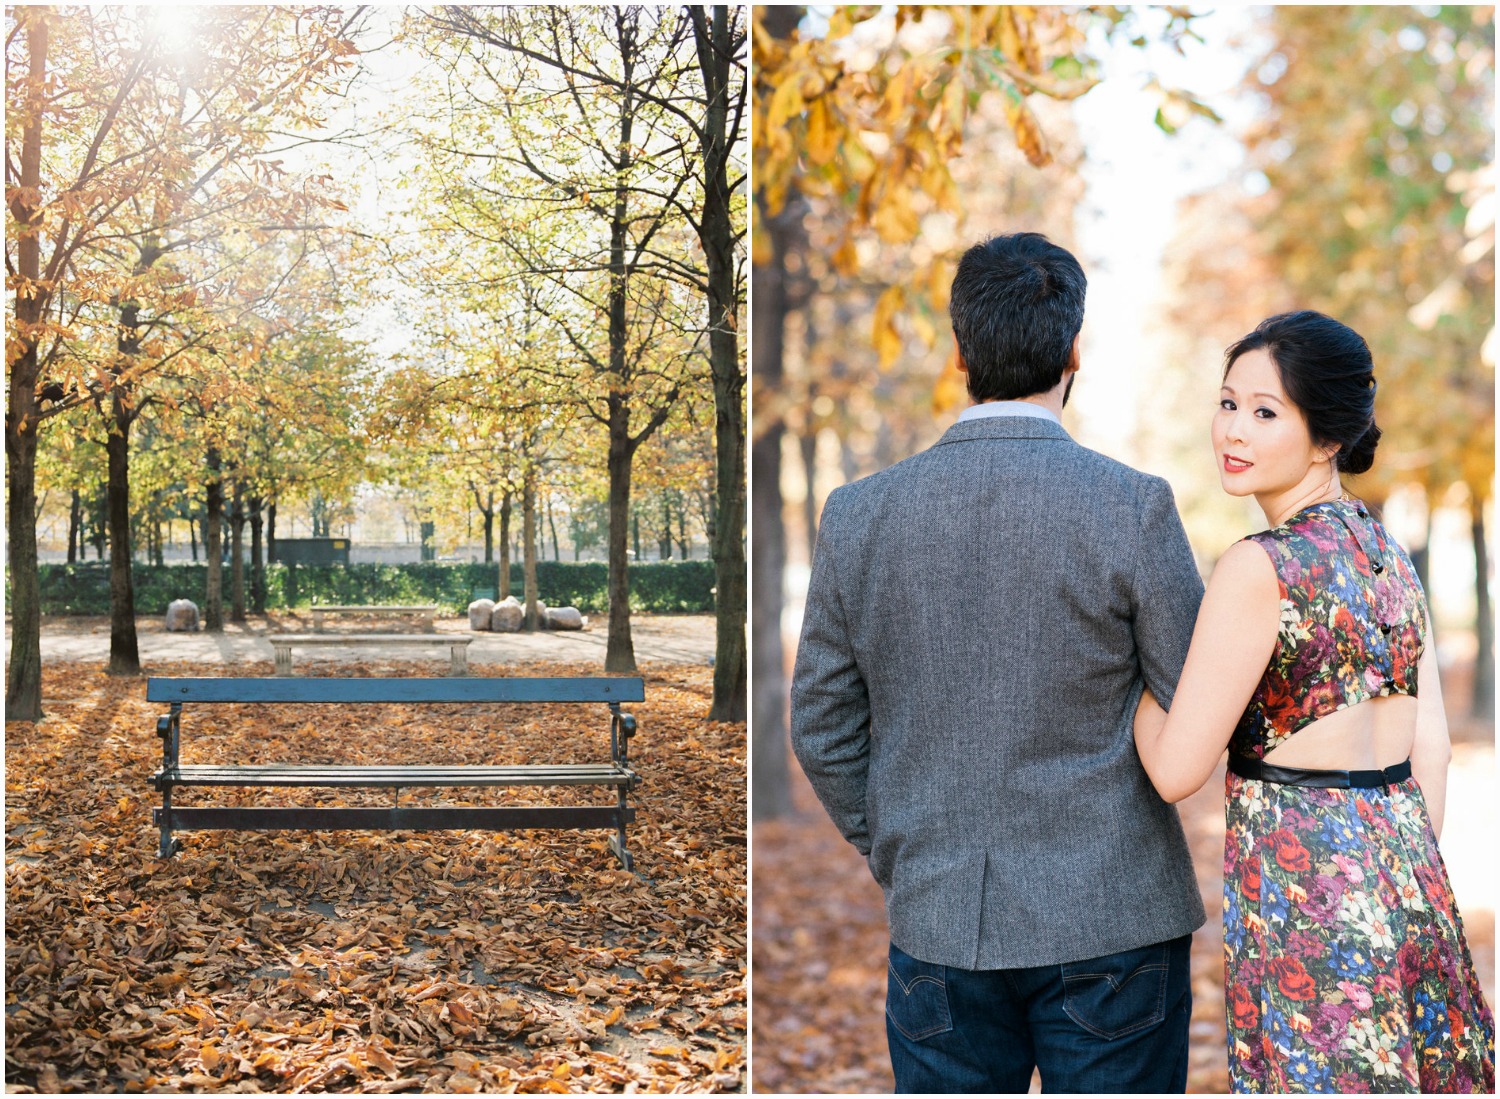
<point>1016,307</point>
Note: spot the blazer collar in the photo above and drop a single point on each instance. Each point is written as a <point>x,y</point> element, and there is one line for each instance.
<point>1004,427</point>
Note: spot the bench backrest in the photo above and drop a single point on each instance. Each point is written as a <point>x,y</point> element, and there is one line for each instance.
<point>343,689</point>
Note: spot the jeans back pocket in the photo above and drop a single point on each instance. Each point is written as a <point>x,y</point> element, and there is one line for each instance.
<point>1118,994</point>
<point>916,996</point>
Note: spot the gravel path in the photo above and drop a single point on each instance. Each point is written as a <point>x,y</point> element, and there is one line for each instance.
<point>667,639</point>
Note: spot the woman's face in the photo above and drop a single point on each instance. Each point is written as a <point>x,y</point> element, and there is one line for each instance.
<point>1261,440</point>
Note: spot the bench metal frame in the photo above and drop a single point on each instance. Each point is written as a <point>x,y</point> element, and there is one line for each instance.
<point>617,773</point>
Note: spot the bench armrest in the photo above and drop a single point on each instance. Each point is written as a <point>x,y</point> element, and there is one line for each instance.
<point>621,729</point>
<point>167,727</point>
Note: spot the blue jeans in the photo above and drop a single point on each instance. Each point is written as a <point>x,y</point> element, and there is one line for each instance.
<point>1112,1024</point>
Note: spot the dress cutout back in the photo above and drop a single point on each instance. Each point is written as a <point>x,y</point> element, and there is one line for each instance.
<point>1352,622</point>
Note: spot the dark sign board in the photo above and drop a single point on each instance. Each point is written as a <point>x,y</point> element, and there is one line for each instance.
<point>311,551</point>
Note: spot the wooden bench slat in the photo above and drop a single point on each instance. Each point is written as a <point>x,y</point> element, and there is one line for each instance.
<point>368,639</point>
<point>560,774</point>
<point>343,689</point>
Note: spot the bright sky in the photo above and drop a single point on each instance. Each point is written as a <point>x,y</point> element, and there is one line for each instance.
<point>1135,176</point>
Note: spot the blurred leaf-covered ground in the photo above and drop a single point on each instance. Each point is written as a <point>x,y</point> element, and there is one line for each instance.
<point>821,940</point>
<point>371,961</point>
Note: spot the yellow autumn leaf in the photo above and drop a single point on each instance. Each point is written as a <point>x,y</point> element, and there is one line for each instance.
<point>858,164</point>
<point>894,218</point>
<point>822,137</point>
<point>922,325</point>
<point>846,258</point>
<point>1029,137</point>
<point>886,337</point>
<point>951,389</point>
<point>786,101</point>
<point>1010,36</point>
<point>937,181</point>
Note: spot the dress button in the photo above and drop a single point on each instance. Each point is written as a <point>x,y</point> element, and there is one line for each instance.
<point>1363,514</point>
<point>1377,566</point>
<point>1385,627</point>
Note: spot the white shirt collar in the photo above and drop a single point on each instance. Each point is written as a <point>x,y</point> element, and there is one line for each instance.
<point>1007,408</point>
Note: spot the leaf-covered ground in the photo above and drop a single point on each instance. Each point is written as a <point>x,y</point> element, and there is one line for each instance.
<point>821,937</point>
<point>371,961</point>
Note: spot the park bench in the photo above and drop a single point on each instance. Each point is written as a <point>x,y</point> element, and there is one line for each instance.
<point>457,645</point>
<point>427,614</point>
<point>616,772</point>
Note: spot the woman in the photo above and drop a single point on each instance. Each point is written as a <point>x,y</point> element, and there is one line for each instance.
<point>1345,962</point>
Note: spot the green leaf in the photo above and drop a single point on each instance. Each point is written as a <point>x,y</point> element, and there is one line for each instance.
<point>1067,68</point>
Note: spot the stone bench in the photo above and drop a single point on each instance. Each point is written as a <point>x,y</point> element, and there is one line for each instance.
<point>457,645</point>
<point>426,614</point>
<point>614,772</point>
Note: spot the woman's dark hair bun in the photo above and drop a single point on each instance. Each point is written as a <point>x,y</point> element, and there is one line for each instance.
<point>1360,456</point>
<point>1327,372</point>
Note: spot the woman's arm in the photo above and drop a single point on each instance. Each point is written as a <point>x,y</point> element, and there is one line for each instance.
<point>1232,644</point>
<point>1431,748</point>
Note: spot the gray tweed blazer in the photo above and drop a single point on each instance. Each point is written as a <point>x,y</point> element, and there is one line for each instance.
<point>979,622</point>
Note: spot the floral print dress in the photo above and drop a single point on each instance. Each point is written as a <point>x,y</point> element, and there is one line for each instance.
<point>1346,968</point>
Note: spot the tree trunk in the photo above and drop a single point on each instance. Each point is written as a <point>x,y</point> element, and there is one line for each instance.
<point>23,685</point>
<point>429,534</point>
<point>257,556</point>
<point>124,652</point>
<point>213,599</point>
<point>770,790</point>
<point>716,52</point>
<point>100,521</point>
<point>528,548</point>
<point>237,556</point>
<point>23,688</point>
<point>502,586</point>
<point>75,527</point>
<point>192,523</point>
<point>808,441</point>
<point>552,527</point>
<point>271,531</point>
<point>619,653</point>
<point>635,533</point>
<point>664,537</point>
<point>487,509</point>
<point>1483,704</point>
<point>1421,556</point>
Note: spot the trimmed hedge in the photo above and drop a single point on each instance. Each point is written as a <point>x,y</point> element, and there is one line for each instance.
<point>656,587</point>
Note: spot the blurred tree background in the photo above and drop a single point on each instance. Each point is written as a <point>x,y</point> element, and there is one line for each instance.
<point>1359,181</point>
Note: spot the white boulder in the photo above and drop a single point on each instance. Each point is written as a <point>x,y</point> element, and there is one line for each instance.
<point>564,618</point>
<point>507,615</point>
<point>182,616</point>
<point>479,614</point>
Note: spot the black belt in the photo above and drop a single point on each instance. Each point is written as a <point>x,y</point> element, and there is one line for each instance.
<point>1260,771</point>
